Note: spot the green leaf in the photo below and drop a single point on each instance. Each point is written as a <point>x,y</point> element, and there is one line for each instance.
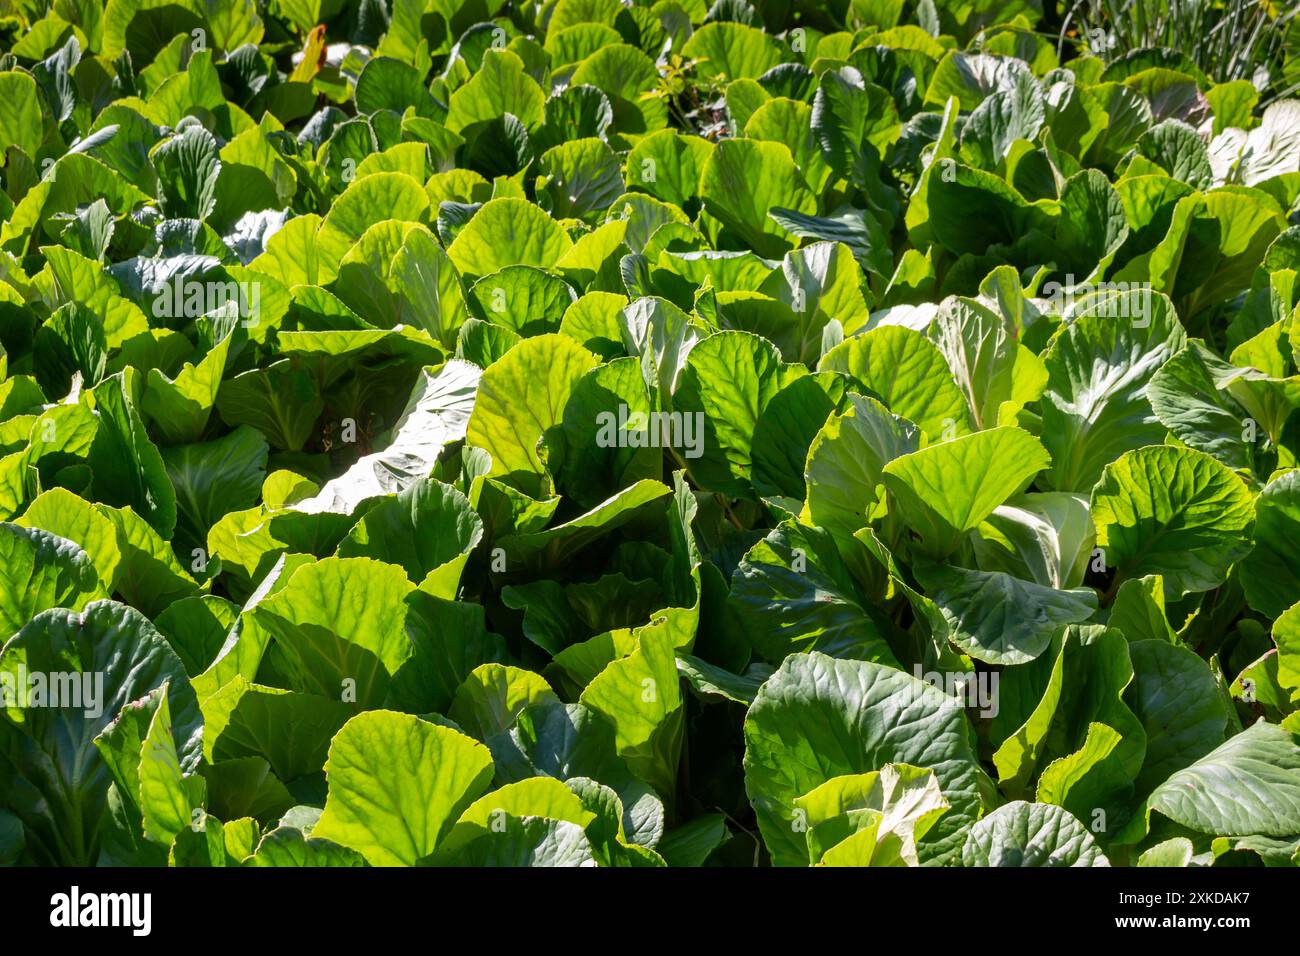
<point>290,846</point>
<point>523,299</point>
<point>498,87</point>
<point>507,232</point>
<point>385,83</point>
<point>436,414</point>
<point>1176,852</point>
<point>530,841</point>
<point>947,489</point>
<point>1067,707</point>
<point>1286,636</point>
<point>628,77</point>
<point>117,657</point>
<point>42,571</point>
<point>428,528</point>
<point>492,696</point>
<point>180,406</point>
<point>582,178</point>
<point>576,112</point>
<point>213,479</point>
<point>600,407</point>
<point>70,342</point>
<point>793,592</point>
<point>536,797</point>
<point>667,165</point>
<point>1271,572</point>
<point>971,77</point>
<point>727,381</point>
<point>65,515</point>
<point>282,401</point>
<point>981,348</point>
<point>872,819</point>
<point>1176,697</point>
<point>1001,619</point>
<point>341,625</point>
<point>788,427</point>
<point>422,274</point>
<point>166,803</point>
<point>148,576</point>
<point>817,718</point>
<point>397,784</point>
<point>512,414</point>
<point>908,373</point>
<point>1179,150</point>
<point>640,695</point>
<point>692,843</point>
<point>20,113</point>
<point>127,469</point>
<point>1248,785</point>
<point>196,628</point>
<point>733,51</point>
<point>1188,401</point>
<point>448,640</point>
<point>971,210</point>
<point>187,165</point>
<point>290,731</point>
<point>1139,610</point>
<point>553,546</point>
<point>742,180</point>
<point>1045,537</point>
<point>1174,512</point>
<point>1031,834</point>
<point>567,741</point>
<point>367,201</point>
<point>854,121</point>
<point>1269,149</point>
<point>1095,407</point>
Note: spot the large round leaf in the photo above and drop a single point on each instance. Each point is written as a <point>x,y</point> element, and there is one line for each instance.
<point>743,179</point>
<point>42,571</point>
<point>1249,785</point>
<point>1031,834</point>
<point>102,658</point>
<point>793,592</point>
<point>733,51</point>
<point>998,618</point>
<point>397,784</point>
<point>508,232</point>
<point>908,372</point>
<point>947,489</point>
<point>1174,512</point>
<point>817,718</point>
<point>728,380</point>
<point>521,396</point>
<point>1095,407</point>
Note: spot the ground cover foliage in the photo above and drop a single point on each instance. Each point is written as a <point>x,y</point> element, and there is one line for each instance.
<point>448,432</point>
